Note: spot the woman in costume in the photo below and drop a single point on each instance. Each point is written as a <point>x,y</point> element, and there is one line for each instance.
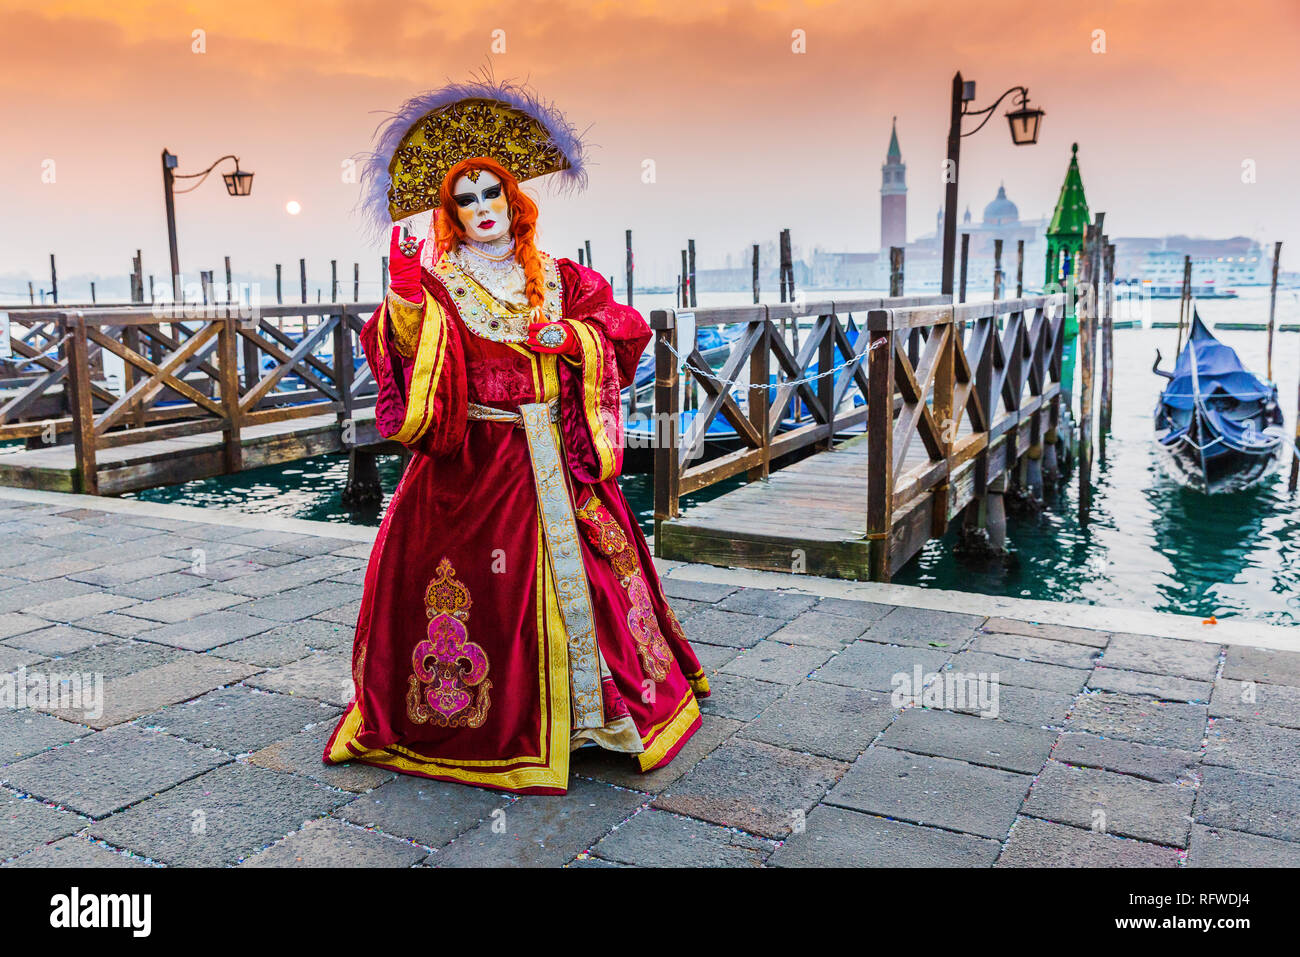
<point>511,613</point>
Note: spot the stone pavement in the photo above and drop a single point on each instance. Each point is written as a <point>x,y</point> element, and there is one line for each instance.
<point>224,653</point>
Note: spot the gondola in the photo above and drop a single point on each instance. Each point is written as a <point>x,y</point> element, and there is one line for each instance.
<point>1218,425</point>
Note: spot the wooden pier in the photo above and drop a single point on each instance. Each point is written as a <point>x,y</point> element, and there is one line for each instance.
<point>195,401</point>
<point>960,401</point>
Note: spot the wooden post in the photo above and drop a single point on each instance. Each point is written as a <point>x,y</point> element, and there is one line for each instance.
<point>586,243</point>
<point>1184,304</point>
<point>302,275</point>
<point>756,399</point>
<point>31,291</point>
<point>54,280</point>
<point>825,384</point>
<point>945,384</point>
<point>227,369</point>
<point>880,441</point>
<point>230,283</point>
<point>997,269</point>
<point>1272,307</point>
<point>686,281</point>
<point>1089,256</point>
<point>92,291</point>
<point>1107,299</point>
<point>789,261</point>
<point>628,239</point>
<point>1020,268</point>
<point>343,367</point>
<point>756,274</point>
<point>690,246</point>
<point>895,270</point>
<point>75,352</point>
<point>279,288</point>
<point>965,256</point>
<point>334,280</point>
<point>356,282</point>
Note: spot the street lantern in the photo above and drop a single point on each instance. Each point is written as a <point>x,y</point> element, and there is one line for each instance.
<point>238,183</point>
<point>1024,124</point>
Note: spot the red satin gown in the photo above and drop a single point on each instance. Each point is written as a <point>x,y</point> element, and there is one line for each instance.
<point>511,611</point>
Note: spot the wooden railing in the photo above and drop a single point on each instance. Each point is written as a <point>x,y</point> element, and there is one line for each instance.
<point>978,390</point>
<point>757,416</point>
<point>197,371</point>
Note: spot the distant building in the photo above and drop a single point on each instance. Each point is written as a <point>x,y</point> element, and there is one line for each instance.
<point>893,195</point>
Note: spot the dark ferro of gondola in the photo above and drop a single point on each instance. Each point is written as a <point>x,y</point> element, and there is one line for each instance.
<point>1218,425</point>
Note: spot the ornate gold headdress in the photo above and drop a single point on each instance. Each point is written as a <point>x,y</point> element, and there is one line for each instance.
<point>434,131</point>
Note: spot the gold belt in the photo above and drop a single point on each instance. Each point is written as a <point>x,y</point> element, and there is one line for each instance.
<point>486,413</point>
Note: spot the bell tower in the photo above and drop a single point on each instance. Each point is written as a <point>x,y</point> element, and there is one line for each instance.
<point>893,195</point>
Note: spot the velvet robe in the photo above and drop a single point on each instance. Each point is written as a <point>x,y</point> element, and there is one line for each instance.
<point>460,663</point>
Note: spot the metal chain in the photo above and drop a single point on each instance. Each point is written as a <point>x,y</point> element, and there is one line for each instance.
<point>733,383</point>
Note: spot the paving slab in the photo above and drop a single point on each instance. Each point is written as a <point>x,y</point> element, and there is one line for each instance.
<point>118,625</point>
<point>1253,746</point>
<point>428,812</point>
<point>76,851</point>
<point>713,657</point>
<point>696,590</point>
<point>741,699</point>
<point>778,662</point>
<point>282,644</point>
<point>753,786</point>
<point>301,754</point>
<point>186,605</point>
<point>141,692</point>
<point>163,586</point>
<point>953,795</point>
<point>122,573</point>
<point>770,603</point>
<point>865,612</point>
<point>56,641</point>
<point>323,675</point>
<point>924,628</point>
<point>79,606</point>
<point>26,823</point>
<point>821,629</point>
<point>1163,765</point>
<point>220,818</point>
<point>866,664</point>
<point>963,737</point>
<point>1028,648</point>
<point>110,770</point>
<point>238,719</point>
<point>17,623</point>
<point>1166,724</point>
<point>209,630</point>
<point>622,769</point>
<point>1113,803</point>
<point>25,597</point>
<point>24,732</point>
<point>1163,687</point>
<point>294,574</point>
<point>115,658</point>
<point>833,721</point>
<point>1262,664</point>
<point>303,602</point>
<point>1221,847</point>
<point>717,626</point>
<point>1033,629</point>
<point>1164,656</point>
<point>1021,705</point>
<point>1256,701</point>
<point>330,843</point>
<point>652,838</point>
<point>13,658</point>
<point>836,837</point>
<point>1244,801</point>
<point>1023,674</point>
<point>1035,843</point>
<point>542,831</point>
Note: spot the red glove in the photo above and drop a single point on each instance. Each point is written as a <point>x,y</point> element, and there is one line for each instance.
<point>404,267</point>
<point>553,337</point>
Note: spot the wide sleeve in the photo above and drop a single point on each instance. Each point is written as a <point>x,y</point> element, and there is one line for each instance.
<point>611,338</point>
<point>417,360</point>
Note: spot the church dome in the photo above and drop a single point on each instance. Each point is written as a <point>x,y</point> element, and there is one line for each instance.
<point>1001,210</point>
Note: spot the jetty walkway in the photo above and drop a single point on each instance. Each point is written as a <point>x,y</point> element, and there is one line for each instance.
<point>223,639</point>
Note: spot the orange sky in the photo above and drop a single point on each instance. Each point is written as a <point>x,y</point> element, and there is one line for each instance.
<point>747,136</point>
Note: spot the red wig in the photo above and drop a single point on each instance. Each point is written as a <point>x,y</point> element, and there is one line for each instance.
<point>449,233</point>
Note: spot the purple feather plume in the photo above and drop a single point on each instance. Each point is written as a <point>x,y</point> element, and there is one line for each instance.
<point>376,180</point>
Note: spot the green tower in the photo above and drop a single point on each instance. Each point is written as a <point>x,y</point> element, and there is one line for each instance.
<point>1065,237</point>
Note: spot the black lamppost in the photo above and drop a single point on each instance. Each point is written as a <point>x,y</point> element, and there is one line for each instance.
<point>1024,124</point>
<point>238,183</point>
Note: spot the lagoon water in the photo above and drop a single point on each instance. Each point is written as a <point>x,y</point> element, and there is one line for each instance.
<point>1150,544</point>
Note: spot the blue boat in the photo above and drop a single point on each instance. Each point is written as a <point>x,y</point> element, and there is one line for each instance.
<point>1218,425</point>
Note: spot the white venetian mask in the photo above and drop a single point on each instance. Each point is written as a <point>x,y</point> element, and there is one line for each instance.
<point>482,206</point>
